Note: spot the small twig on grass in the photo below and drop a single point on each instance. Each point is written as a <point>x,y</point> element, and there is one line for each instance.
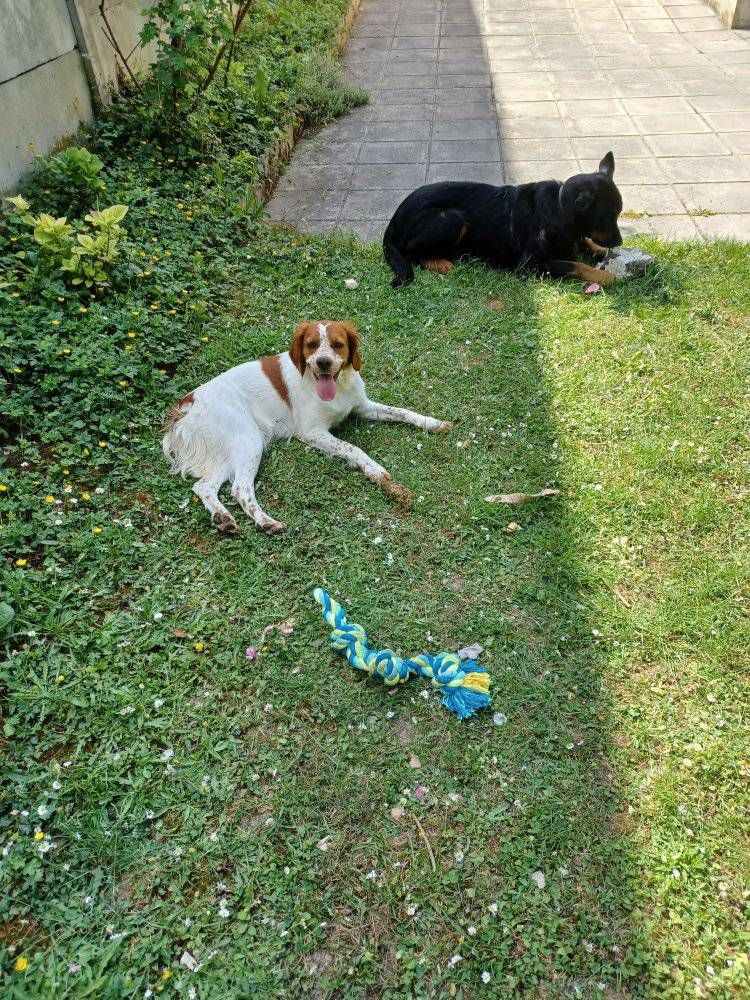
<point>426,839</point>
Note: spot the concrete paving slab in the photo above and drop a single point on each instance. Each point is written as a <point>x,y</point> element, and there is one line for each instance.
<point>518,90</point>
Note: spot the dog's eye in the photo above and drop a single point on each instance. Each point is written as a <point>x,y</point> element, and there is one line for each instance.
<point>312,345</point>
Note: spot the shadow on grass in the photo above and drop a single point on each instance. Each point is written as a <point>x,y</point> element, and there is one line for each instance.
<point>497,803</point>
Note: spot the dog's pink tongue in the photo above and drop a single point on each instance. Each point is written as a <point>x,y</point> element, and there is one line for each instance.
<point>326,388</point>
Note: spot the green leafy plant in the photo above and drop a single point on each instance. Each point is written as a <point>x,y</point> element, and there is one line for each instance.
<point>323,92</point>
<point>77,166</point>
<point>83,257</point>
<point>192,41</point>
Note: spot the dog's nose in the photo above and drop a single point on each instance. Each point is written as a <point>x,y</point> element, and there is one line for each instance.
<point>616,240</point>
<point>324,364</point>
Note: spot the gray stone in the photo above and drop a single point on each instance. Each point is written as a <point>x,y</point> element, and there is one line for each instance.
<point>626,262</point>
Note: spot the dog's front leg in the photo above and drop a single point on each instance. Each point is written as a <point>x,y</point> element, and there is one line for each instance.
<point>594,248</point>
<point>396,414</point>
<point>330,445</point>
<point>575,269</point>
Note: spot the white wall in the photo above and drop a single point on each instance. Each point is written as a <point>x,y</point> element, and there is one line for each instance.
<point>45,92</point>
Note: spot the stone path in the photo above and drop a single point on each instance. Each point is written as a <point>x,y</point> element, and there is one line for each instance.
<point>519,90</point>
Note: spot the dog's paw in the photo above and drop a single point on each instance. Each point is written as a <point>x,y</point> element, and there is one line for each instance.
<point>272,527</point>
<point>440,426</point>
<point>439,265</point>
<point>401,494</point>
<point>224,522</point>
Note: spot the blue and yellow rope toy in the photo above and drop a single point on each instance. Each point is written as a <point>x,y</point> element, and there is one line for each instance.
<point>464,684</point>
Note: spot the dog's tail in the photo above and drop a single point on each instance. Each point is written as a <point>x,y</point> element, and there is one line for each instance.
<point>399,263</point>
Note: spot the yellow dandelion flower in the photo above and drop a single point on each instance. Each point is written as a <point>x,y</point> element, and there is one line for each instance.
<point>123,382</point>
<point>198,647</point>
<point>16,295</point>
<point>166,973</point>
<point>172,312</point>
<point>83,309</point>
<point>3,488</point>
<point>85,496</point>
<point>60,678</point>
<point>131,333</point>
<point>102,444</point>
<point>55,322</point>
<point>97,531</point>
<point>204,339</point>
<point>86,451</point>
<point>49,499</point>
<point>18,370</point>
<point>20,562</point>
<point>39,835</point>
<point>22,964</point>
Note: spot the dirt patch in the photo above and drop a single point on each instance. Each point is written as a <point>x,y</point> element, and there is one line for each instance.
<point>19,931</point>
<point>497,304</point>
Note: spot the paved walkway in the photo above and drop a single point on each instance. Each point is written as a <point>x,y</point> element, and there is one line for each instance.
<point>519,90</point>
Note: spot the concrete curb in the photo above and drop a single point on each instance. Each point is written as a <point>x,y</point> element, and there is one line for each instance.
<point>271,164</point>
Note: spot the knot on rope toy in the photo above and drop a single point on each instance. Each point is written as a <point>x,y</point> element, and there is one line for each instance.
<point>464,685</point>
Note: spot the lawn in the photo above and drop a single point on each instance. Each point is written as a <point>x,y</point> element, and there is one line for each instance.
<point>177,818</point>
<point>240,812</point>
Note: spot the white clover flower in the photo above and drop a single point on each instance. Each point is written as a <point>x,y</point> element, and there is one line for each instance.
<point>56,785</point>
<point>214,837</point>
<point>411,909</point>
<point>486,977</point>
<point>455,959</point>
<point>157,615</point>
<point>158,702</point>
<point>167,754</point>
<point>42,811</point>
<point>492,907</point>
<point>459,856</point>
<point>471,931</point>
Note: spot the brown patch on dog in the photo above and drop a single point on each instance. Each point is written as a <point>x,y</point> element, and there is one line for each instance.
<point>342,337</point>
<point>440,265</point>
<point>587,273</point>
<point>595,248</point>
<point>401,494</point>
<point>271,367</point>
<point>178,411</point>
<point>463,232</point>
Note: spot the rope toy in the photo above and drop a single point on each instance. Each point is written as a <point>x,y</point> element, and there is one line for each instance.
<point>464,684</point>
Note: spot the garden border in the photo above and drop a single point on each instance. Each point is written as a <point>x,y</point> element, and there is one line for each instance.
<point>276,158</point>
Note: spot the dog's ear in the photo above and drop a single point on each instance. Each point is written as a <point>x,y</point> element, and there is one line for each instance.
<point>584,200</point>
<point>607,166</point>
<point>296,348</point>
<point>355,358</point>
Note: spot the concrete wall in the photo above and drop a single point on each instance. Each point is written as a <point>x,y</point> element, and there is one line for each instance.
<point>47,88</point>
<point>734,13</point>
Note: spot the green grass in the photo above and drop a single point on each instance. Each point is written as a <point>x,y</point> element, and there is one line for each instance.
<point>613,624</point>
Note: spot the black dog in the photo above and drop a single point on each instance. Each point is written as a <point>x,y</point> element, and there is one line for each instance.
<point>537,227</point>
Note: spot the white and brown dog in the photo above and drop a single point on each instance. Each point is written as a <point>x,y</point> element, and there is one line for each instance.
<point>219,431</point>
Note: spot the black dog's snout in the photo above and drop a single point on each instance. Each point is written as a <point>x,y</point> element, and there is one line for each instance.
<point>616,240</point>
<point>324,364</point>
